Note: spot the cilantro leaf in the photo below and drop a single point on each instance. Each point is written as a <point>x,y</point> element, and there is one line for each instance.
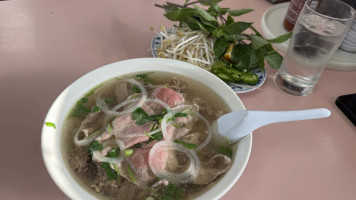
<point>172,192</point>
<point>110,173</point>
<point>144,77</point>
<point>94,146</point>
<point>141,117</point>
<point>156,136</point>
<point>225,150</point>
<point>113,153</point>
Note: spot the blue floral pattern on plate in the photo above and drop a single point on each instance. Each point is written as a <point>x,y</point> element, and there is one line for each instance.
<point>236,87</point>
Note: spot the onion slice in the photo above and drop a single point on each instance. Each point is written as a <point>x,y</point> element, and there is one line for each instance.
<point>209,131</point>
<point>178,109</point>
<point>187,176</point>
<point>97,155</point>
<point>86,140</point>
<point>101,103</point>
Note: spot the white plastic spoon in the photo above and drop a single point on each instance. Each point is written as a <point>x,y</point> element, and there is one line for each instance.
<point>236,125</point>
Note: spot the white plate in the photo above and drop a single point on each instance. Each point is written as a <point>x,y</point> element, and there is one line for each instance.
<point>272,26</point>
<point>236,87</point>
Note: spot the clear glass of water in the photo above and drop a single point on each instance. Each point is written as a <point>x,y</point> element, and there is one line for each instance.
<point>317,34</point>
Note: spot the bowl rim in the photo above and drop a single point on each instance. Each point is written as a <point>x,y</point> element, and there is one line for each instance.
<point>50,137</point>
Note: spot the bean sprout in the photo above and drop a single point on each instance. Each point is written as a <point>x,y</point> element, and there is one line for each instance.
<point>182,43</point>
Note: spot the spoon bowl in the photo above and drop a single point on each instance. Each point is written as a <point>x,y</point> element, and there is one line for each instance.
<point>233,126</point>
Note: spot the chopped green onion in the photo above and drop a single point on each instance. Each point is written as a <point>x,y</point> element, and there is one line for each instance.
<point>118,173</point>
<point>128,152</point>
<point>129,170</point>
<point>109,128</point>
<point>50,124</point>
<point>185,144</point>
<point>93,134</point>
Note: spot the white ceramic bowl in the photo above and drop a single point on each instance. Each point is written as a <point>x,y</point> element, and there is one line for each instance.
<point>51,148</point>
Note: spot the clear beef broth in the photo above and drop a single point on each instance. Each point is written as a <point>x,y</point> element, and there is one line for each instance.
<point>93,177</point>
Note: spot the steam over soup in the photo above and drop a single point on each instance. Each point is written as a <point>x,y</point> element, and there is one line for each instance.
<point>146,136</point>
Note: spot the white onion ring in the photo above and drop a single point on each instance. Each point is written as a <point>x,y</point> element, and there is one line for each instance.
<point>164,122</point>
<point>139,134</point>
<point>210,132</point>
<point>185,177</point>
<point>85,141</point>
<point>179,109</point>
<point>100,158</point>
<point>101,103</point>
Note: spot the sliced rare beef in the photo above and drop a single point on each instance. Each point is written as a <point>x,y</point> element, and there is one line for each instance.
<point>138,164</point>
<point>180,127</point>
<point>168,95</point>
<point>130,133</point>
<point>211,169</point>
<point>122,91</point>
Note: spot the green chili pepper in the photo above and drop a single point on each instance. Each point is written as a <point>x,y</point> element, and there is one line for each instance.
<point>229,74</point>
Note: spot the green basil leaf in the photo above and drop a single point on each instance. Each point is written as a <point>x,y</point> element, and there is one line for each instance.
<point>192,23</point>
<point>181,14</point>
<point>209,2</point>
<point>237,27</point>
<point>238,12</point>
<point>241,54</point>
<point>281,38</point>
<point>202,26</point>
<point>218,32</point>
<point>257,42</point>
<point>274,60</point>
<point>220,47</point>
<point>229,20</point>
<point>205,15</point>
<point>234,37</point>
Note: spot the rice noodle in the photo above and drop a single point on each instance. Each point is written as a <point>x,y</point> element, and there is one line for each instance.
<point>187,176</point>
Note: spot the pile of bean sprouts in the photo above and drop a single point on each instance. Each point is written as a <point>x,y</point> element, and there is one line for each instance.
<point>182,43</point>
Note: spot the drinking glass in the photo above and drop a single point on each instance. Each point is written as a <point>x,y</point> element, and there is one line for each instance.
<point>317,34</point>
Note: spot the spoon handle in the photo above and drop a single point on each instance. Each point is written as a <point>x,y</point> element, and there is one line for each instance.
<point>269,117</point>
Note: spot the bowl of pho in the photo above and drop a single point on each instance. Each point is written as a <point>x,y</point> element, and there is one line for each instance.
<point>141,129</point>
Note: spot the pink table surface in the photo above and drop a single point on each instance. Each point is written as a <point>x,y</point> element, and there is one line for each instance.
<point>47,44</point>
